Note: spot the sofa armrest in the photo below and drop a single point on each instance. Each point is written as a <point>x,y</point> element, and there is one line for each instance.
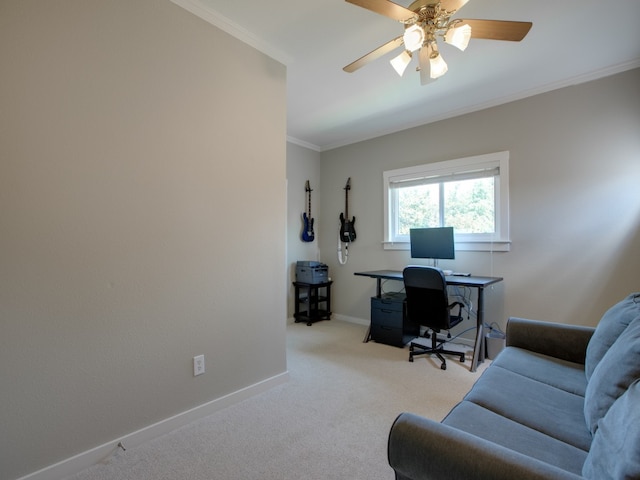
<point>558,340</point>
<point>421,449</point>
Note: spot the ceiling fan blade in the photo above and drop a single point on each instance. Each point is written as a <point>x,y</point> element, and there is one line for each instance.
<point>452,5</point>
<point>375,54</point>
<point>387,8</point>
<point>498,29</point>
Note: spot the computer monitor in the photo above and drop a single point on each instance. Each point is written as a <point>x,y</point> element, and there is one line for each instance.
<point>432,243</point>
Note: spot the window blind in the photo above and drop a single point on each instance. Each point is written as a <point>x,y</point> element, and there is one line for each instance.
<point>414,180</point>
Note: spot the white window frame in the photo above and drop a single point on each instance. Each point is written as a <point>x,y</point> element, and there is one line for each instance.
<point>497,242</point>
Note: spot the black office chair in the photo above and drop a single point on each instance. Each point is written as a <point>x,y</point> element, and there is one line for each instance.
<point>427,304</point>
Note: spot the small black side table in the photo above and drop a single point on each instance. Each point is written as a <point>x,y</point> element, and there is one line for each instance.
<point>311,295</point>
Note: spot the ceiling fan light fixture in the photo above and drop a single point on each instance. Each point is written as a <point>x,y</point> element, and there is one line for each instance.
<point>438,65</point>
<point>413,37</point>
<point>425,23</point>
<point>401,62</point>
<point>458,36</point>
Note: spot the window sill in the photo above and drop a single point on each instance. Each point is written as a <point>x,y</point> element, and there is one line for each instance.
<point>480,246</point>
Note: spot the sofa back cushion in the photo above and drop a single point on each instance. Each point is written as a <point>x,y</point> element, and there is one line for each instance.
<point>612,324</point>
<point>618,369</point>
<point>615,450</point>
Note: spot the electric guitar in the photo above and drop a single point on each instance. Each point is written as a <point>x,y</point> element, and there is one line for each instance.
<point>307,228</point>
<point>347,229</point>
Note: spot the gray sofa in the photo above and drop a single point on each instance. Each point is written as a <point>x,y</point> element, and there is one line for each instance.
<point>559,402</point>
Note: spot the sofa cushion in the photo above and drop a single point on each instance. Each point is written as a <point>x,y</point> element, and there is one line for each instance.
<point>615,451</point>
<point>549,410</point>
<point>483,423</point>
<point>612,324</point>
<point>615,372</point>
<point>567,376</point>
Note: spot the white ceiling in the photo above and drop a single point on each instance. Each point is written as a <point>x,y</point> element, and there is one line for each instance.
<point>571,41</point>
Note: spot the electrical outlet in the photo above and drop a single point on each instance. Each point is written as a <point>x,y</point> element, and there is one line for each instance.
<point>198,365</point>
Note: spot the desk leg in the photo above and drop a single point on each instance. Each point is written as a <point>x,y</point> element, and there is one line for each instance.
<point>478,349</point>
<point>367,336</point>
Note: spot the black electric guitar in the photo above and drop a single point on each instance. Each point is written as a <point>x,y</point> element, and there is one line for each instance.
<point>307,221</point>
<point>347,229</point>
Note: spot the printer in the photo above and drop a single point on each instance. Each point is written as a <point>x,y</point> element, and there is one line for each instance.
<point>311,272</point>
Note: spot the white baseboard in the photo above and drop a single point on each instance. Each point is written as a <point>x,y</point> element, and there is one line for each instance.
<point>344,318</point>
<point>84,460</point>
<point>356,320</point>
<point>366,322</point>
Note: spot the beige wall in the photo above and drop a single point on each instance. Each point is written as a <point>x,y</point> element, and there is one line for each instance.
<point>142,200</point>
<point>302,165</point>
<point>575,207</point>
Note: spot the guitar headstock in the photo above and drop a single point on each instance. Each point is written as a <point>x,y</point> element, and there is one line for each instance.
<point>307,187</point>
<point>348,185</point>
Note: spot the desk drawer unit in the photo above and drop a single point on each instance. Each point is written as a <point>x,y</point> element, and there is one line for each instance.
<point>388,321</point>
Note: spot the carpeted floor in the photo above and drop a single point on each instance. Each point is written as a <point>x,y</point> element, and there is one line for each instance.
<point>329,421</point>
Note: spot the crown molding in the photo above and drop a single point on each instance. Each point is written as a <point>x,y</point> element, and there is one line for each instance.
<point>201,10</point>
<point>302,143</point>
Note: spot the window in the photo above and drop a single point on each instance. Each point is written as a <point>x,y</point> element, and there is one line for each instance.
<point>470,194</point>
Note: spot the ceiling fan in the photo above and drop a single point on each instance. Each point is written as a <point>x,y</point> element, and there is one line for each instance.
<point>424,21</point>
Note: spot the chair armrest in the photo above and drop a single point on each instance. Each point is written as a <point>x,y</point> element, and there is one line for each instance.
<point>558,340</point>
<point>421,449</point>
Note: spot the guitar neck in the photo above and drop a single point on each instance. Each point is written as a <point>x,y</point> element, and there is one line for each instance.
<point>346,203</point>
<point>347,187</point>
<point>307,189</point>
